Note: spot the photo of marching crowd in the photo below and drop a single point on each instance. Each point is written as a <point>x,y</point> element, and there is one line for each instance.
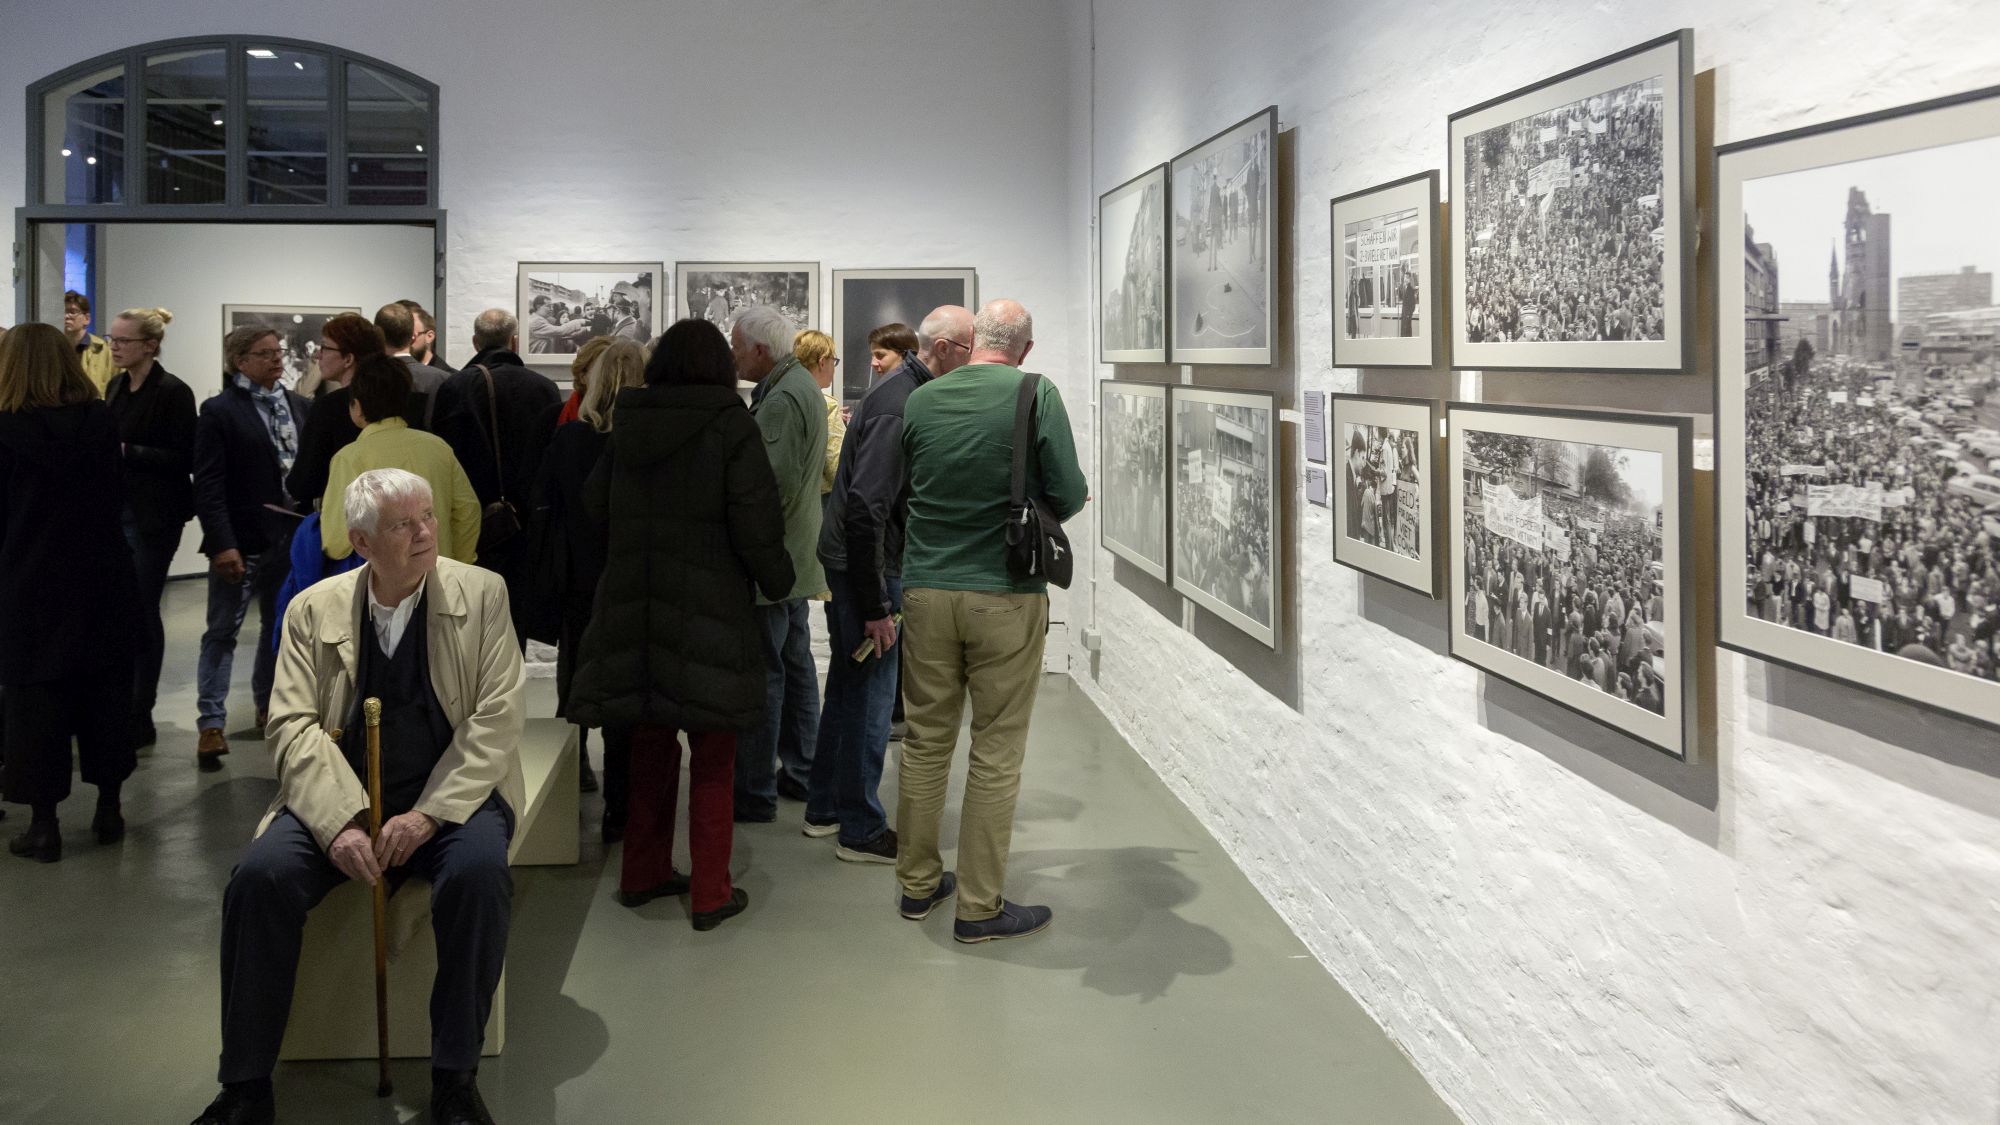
<point>1563,561</point>
<point>717,295</point>
<point>1134,488</point>
<point>1222,242</point>
<point>1384,495</point>
<point>1133,263</point>
<point>566,308</point>
<point>1223,513</point>
<point>1563,220</point>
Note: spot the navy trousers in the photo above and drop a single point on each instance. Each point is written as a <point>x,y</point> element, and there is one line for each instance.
<point>283,874</point>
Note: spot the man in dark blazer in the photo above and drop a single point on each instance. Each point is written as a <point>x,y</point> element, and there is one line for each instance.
<point>246,440</point>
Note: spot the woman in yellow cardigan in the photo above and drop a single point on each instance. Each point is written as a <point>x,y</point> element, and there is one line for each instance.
<point>381,393</point>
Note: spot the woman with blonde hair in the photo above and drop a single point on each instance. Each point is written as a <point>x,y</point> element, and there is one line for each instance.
<point>578,543</point>
<point>68,593</point>
<point>816,354</point>
<point>154,414</point>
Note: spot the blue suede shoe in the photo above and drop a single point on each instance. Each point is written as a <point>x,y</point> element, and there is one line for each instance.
<point>918,909</point>
<point>1013,921</point>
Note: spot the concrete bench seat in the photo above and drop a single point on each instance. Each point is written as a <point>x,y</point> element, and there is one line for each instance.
<point>333,1004</point>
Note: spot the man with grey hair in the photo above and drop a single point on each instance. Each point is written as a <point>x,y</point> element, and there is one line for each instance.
<point>861,545</point>
<point>431,639</point>
<point>970,626</point>
<point>792,415</point>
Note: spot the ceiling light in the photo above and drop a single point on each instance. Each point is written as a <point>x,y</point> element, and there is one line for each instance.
<point>90,160</point>
<point>262,53</point>
<point>67,152</point>
<point>420,148</point>
<point>298,65</point>
<point>218,121</point>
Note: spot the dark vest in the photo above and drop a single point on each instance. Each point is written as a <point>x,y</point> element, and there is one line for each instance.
<point>415,731</point>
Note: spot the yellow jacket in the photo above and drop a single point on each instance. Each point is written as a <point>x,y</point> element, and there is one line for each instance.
<point>96,357</point>
<point>475,669</point>
<point>392,444</point>
<point>836,432</point>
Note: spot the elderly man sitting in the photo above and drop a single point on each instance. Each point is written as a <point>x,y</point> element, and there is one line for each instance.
<point>451,692</point>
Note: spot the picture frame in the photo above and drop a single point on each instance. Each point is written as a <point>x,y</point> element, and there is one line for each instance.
<point>1224,514</point>
<point>864,300</point>
<point>1136,470</point>
<point>1134,243</point>
<point>1878,416</point>
<point>717,291</point>
<point>299,332</point>
<point>1223,245</point>
<point>1398,442</point>
<point>1547,200</point>
<point>1387,267</point>
<point>562,304</point>
<point>1564,507</point>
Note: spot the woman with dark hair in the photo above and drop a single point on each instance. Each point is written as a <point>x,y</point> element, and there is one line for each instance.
<point>68,593</point>
<point>887,345</point>
<point>673,646</point>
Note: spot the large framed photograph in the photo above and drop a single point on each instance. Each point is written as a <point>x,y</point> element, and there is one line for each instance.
<point>1223,254</point>
<point>1573,226</point>
<point>563,304</point>
<point>1385,510</point>
<point>1385,283</point>
<point>864,300</point>
<point>1132,498</point>
<point>298,328</point>
<point>1225,506</point>
<point>717,291</point>
<point>1571,562</point>
<point>1857,410</point>
<point>1132,270</point>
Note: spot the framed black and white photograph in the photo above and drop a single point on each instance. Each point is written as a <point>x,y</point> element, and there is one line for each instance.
<point>1857,407</point>
<point>1224,241</point>
<point>1385,281</point>
<point>1571,562</point>
<point>1225,505</point>
<point>1132,497</point>
<point>864,300</point>
<point>1573,226</point>
<point>298,328</point>
<point>1385,510</point>
<point>1132,270</point>
<point>562,304</point>
<point>717,291</point>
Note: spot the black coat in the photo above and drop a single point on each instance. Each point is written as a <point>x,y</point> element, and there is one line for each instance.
<point>570,545</point>
<point>520,402</point>
<point>324,430</point>
<point>237,474</point>
<point>869,506</point>
<point>69,599</point>
<point>695,531</point>
<point>156,425</point>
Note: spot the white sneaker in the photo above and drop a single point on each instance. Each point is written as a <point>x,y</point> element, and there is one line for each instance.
<point>820,831</point>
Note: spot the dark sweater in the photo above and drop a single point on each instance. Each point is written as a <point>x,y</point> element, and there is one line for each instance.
<point>156,425</point>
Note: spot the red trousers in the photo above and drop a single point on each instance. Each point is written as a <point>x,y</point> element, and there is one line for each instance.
<point>655,797</point>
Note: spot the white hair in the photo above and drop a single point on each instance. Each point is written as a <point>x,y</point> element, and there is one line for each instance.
<point>762,324</point>
<point>363,501</point>
<point>1003,326</point>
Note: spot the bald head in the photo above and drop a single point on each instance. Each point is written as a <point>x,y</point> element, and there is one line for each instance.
<point>1003,332</point>
<point>944,339</point>
<point>494,328</point>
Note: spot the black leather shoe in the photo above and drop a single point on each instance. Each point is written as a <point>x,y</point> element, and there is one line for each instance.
<point>612,829</point>
<point>144,733</point>
<point>455,1099</point>
<point>109,824</point>
<point>675,886</point>
<point>41,842</point>
<point>708,920</point>
<point>235,1106</point>
<point>586,778</point>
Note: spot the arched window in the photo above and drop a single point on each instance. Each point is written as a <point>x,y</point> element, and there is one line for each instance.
<point>236,127</point>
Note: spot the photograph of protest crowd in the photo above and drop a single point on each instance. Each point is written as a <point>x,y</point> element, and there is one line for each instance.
<point>1385,261</point>
<point>1132,496</point>
<point>1570,205</point>
<point>1860,404</point>
<point>562,304</point>
<point>1384,503</point>
<point>717,291</point>
<point>298,328</point>
<point>1224,276</point>
<point>1132,270</point>
<point>1566,560</point>
<point>1225,514</point>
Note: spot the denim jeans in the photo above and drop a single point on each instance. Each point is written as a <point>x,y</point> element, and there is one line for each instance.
<point>152,557</point>
<point>227,606</point>
<point>853,722</point>
<point>791,710</point>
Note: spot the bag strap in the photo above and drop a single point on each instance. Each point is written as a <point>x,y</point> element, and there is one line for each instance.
<point>1024,427</point>
<point>493,414</point>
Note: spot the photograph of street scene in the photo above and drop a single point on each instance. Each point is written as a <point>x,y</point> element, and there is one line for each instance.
<point>1133,496</point>
<point>1221,259</point>
<point>1223,513</point>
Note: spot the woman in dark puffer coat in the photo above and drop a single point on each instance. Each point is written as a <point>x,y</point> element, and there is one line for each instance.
<point>672,646</point>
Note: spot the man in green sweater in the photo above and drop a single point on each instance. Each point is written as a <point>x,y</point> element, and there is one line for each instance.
<point>971,627</point>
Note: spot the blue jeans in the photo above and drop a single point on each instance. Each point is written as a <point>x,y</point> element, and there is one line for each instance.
<point>227,606</point>
<point>791,710</point>
<point>152,557</point>
<point>854,722</point>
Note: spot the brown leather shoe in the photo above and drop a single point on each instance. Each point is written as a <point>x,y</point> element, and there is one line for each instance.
<point>263,721</point>
<point>209,751</point>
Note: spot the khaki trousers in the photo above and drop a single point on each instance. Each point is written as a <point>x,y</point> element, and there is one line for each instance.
<point>961,642</point>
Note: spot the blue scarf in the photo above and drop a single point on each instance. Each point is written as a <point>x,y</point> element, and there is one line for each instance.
<point>277,412</point>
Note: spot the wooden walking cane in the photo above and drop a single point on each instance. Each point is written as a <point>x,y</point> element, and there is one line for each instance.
<point>371,713</point>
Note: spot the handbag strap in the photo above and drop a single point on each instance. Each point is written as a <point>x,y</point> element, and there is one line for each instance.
<point>493,414</point>
<point>1024,428</point>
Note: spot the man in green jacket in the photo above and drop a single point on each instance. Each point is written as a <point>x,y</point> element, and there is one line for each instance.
<point>792,415</point>
<point>971,626</point>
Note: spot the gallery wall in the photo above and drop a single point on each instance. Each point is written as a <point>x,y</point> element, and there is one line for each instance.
<point>1558,924</point>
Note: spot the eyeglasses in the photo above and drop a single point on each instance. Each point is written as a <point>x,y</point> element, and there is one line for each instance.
<point>126,339</point>
<point>966,348</point>
<point>325,348</point>
<point>836,361</point>
<point>410,525</point>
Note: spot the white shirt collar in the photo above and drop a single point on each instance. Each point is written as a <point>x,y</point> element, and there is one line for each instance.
<point>390,623</point>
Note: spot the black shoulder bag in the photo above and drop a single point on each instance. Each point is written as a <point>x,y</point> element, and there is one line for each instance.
<point>500,522</point>
<point>1037,546</point>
